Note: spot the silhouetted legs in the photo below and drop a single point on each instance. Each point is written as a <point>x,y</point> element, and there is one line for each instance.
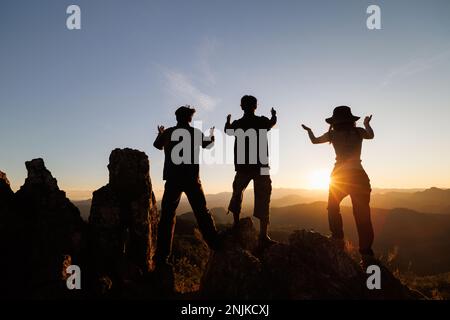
<point>240,183</point>
<point>197,200</point>
<point>166,226</point>
<point>170,201</point>
<point>356,184</point>
<point>361,212</point>
<point>335,198</point>
<point>262,185</point>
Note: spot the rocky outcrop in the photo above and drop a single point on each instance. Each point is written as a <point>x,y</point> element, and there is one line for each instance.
<point>310,266</point>
<point>7,245</point>
<point>6,193</point>
<point>122,224</point>
<point>6,198</point>
<point>42,231</point>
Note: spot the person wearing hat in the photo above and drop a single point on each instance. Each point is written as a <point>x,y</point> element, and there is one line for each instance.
<point>348,176</point>
<point>251,163</point>
<point>181,145</point>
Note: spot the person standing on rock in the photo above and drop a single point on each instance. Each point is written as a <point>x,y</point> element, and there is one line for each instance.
<point>348,176</point>
<point>181,145</point>
<point>251,162</point>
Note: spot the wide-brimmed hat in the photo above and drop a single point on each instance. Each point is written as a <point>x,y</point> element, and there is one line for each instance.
<point>184,111</point>
<point>342,114</point>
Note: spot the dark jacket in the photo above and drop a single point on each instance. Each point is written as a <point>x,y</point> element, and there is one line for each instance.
<point>247,155</point>
<point>182,166</point>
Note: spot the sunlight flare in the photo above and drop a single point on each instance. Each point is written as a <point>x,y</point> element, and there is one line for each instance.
<point>319,179</point>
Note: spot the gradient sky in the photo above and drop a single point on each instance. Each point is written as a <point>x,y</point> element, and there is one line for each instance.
<point>73,96</point>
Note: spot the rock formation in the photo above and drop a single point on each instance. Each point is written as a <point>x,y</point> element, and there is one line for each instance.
<point>7,246</point>
<point>310,266</point>
<point>6,193</point>
<point>43,229</point>
<point>122,223</point>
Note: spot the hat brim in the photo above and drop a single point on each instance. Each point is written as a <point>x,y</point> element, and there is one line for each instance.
<point>335,120</point>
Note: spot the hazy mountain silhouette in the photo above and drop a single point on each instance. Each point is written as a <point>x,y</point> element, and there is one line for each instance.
<point>433,200</point>
<point>415,241</point>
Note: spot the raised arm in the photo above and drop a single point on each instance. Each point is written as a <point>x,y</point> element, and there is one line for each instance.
<point>229,129</point>
<point>368,132</point>
<point>273,119</point>
<point>159,141</point>
<point>316,140</point>
<point>208,142</point>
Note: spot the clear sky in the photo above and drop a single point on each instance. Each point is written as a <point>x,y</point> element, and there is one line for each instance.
<point>72,96</point>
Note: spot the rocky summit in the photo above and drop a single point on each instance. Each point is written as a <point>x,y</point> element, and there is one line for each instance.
<point>310,266</point>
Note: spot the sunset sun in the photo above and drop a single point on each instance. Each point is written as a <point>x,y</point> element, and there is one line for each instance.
<point>319,179</point>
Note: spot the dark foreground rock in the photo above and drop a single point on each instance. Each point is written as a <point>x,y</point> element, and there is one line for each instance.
<point>42,230</point>
<point>310,266</point>
<point>122,225</point>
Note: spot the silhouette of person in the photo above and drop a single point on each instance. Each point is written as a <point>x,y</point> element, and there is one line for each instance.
<point>251,163</point>
<point>348,176</point>
<point>181,145</point>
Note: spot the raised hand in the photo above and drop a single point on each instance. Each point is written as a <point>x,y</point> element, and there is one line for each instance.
<point>306,128</point>
<point>160,129</point>
<point>367,120</point>
<point>273,112</point>
<point>211,131</point>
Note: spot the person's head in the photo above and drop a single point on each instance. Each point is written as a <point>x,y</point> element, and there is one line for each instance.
<point>249,103</point>
<point>342,118</point>
<point>184,114</point>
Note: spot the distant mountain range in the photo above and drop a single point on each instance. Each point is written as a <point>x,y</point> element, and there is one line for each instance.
<point>432,200</point>
<point>413,241</point>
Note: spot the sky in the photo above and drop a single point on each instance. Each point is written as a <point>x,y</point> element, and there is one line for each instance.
<point>72,96</point>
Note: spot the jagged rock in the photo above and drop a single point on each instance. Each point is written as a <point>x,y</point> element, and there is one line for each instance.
<point>310,266</point>
<point>43,232</point>
<point>6,198</point>
<point>6,234</point>
<point>123,222</point>
<point>6,193</point>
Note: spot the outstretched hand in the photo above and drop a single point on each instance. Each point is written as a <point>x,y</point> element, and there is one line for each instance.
<point>161,129</point>
<point>367,120</point>
<point>273,112</point>
<point>306,128</point>
<point>211,131</point>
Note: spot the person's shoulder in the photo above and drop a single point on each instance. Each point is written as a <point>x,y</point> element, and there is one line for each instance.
<point>196,130</point>
<point>237,122</point>
<point>169,130</point>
